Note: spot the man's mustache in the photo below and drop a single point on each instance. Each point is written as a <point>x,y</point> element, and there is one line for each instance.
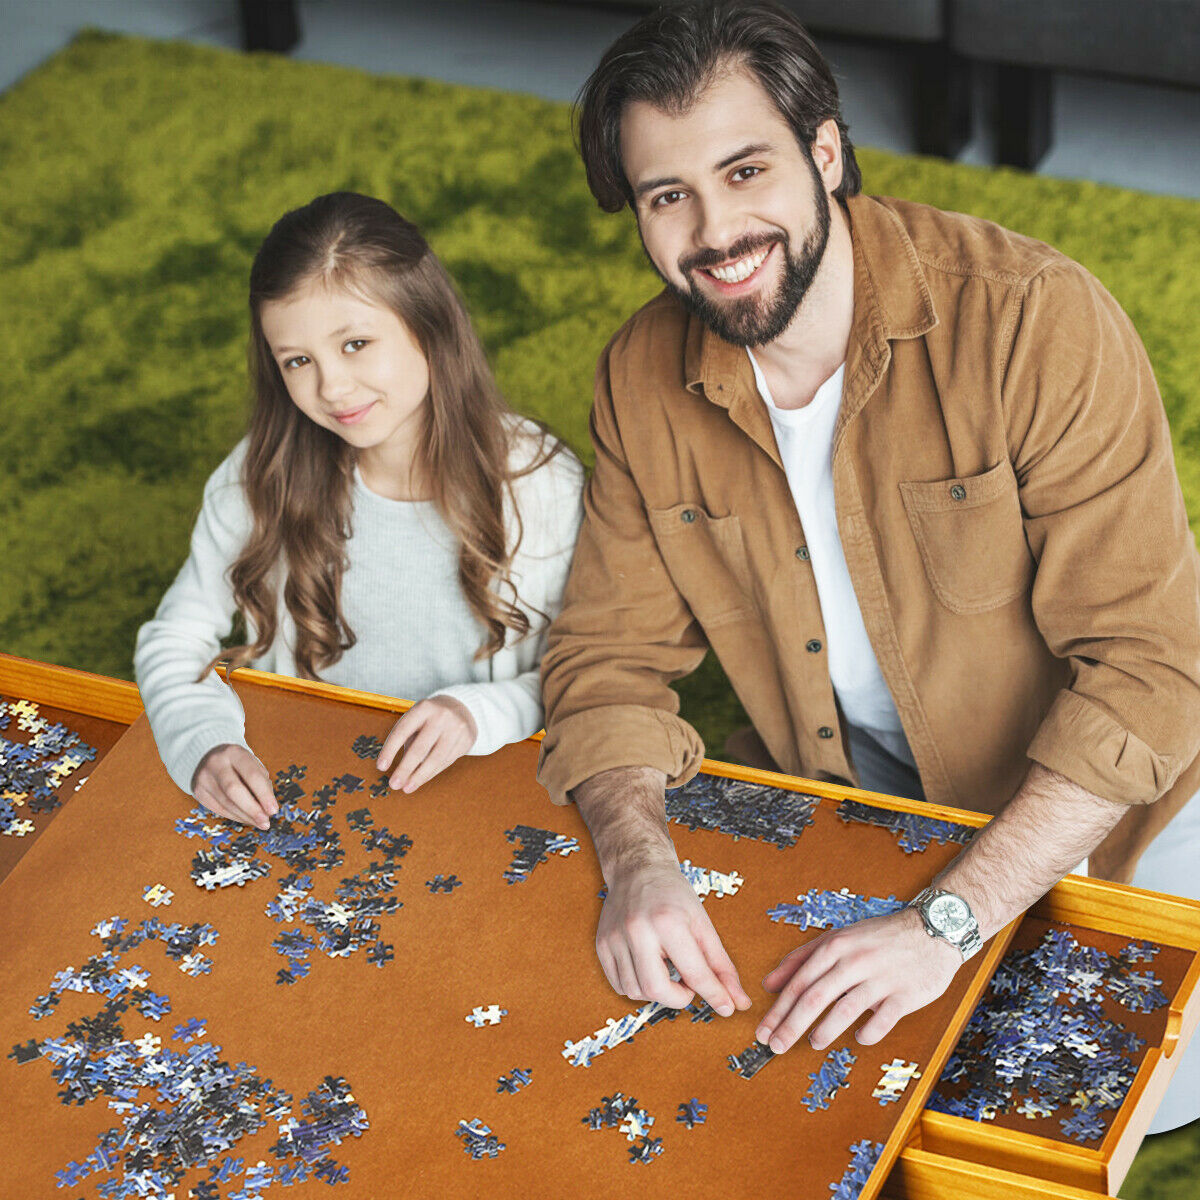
<point>743,246</point>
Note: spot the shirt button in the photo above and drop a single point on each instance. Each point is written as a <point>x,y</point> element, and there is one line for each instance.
<point>688,516</point>
<point>824,732</point>
<point>813,646</point>
<point>802,553</point>
<point>958,492</point>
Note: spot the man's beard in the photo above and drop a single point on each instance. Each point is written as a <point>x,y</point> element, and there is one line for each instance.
<point>749,321</point>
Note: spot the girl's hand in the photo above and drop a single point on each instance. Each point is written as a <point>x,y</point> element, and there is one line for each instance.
<point>433,733</point>
<point>232,783</point>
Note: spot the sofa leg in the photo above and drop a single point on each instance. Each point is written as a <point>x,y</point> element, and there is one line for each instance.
<point>1025,96</point>
<point>942,97</point>
<point>269,25</point>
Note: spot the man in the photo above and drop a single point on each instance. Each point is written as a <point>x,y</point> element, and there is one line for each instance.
<point>908,474</point>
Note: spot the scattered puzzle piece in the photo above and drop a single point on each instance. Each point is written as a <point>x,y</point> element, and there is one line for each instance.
<point>897,1075</point>
<point>692,1113</point>
<point>480,1016</point>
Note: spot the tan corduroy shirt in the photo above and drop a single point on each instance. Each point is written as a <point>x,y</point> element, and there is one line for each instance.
<point>1010,515</point>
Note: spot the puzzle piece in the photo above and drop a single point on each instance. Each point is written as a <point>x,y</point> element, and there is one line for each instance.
<point>705,883</point>
<point>637,1121</point>
<point>692,1113</point>
<point>478,1140</point>
<point>751,1060</point>
<point>581,1053</point>
<point>535,846</point>
<point>26,1052</point>
<point>645,1150</point>
<point>515,1080</point>
<point>818,909</point>
<point>864,1156</point>
<point>480,1016</point>
<point>367,746</point>
<point>829,1078</point>
<point>443,883</point>
<point>381,954</point>
<point>897,1075</point>
<point>157,895</point>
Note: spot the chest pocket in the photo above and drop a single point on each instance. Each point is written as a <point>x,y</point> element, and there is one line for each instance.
<point>972,538</point>
<point>705,557</point>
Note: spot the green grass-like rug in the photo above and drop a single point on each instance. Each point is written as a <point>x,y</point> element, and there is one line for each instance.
<point>139,177</point>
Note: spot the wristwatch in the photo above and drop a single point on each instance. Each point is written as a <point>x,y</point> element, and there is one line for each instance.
<point>948,917</point>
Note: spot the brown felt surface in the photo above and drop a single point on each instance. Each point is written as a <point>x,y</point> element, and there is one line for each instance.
<point>398,1034</point>
<point>100,734</point>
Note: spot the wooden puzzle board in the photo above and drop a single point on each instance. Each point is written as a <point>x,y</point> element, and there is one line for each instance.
<point>398,1033</point>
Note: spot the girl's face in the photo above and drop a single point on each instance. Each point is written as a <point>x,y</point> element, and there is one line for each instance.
<point>349,365</point>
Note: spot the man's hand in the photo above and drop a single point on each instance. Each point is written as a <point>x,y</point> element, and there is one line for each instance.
<point>886,965</point>
<point>232,783</point>
<point>651,915</point>
<point>434,733</point>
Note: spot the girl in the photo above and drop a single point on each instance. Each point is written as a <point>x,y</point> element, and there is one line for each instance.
<point>387,523</point>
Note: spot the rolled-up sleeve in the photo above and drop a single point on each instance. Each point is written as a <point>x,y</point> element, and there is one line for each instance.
<point>1117,589</point>
<point>624,633</point>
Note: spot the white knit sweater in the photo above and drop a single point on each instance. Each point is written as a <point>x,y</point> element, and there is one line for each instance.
<point>415,634</point>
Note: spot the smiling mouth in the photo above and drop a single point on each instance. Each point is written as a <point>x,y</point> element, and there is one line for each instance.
<point>350,415</point>
<point>741,269</point>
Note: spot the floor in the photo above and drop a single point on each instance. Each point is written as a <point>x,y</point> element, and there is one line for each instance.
<point>1109,131</point>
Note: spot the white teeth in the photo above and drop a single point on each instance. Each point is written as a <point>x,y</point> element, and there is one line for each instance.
<point>736,272</point>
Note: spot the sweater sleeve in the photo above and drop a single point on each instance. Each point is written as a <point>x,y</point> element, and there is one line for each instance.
<point>188,715</point>
<point>550,504</point>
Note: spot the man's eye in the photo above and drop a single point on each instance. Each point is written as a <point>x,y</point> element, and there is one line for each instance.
<point>667,198</point>
<point>356,343</point>
<point>746,172</point>
<point>299,360</point>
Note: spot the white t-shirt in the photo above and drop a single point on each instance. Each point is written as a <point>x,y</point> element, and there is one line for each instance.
<point>805,440</point>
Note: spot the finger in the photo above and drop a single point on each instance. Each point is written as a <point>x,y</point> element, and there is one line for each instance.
<point>209,800</point>
<point>238,799</point>
<point>689,955</point>
<point>399,734</point>
<point>414,755</point>
<point>789,965</point>
<point>882,1022</point>
<point>436,761</point>
<point>608,966</point>
<point>722,965</point>
<point>811,990</point>
<point>843,1014</point>
<point>258,781</point>
<point>623,961</point>
<point>653,982</point>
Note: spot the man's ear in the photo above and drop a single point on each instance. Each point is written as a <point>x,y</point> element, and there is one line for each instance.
<point>827,154</point>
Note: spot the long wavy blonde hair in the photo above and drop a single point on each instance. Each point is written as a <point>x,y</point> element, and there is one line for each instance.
<point>298,475</point>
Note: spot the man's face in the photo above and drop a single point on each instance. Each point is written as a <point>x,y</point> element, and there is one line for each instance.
<point>733,213</point>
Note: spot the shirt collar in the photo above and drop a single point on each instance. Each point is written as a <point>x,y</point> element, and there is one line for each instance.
<point>891,302</point>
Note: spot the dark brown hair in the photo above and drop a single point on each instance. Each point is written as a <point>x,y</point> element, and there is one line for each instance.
<point>670,56</point>
<point>298,475</point>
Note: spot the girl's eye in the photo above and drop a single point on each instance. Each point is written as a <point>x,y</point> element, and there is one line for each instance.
<point>356,343</point>
<point>667,198</point>
<point>747,172</point>
<point>299,360</point>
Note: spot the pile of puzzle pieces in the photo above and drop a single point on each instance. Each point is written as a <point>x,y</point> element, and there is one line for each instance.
<point>33,770</point>
<point>182,1108</point>
<point>743,810</point>
<point>1041,1043</point>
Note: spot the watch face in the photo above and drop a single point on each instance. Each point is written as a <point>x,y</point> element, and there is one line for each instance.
<point>948,914</point>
